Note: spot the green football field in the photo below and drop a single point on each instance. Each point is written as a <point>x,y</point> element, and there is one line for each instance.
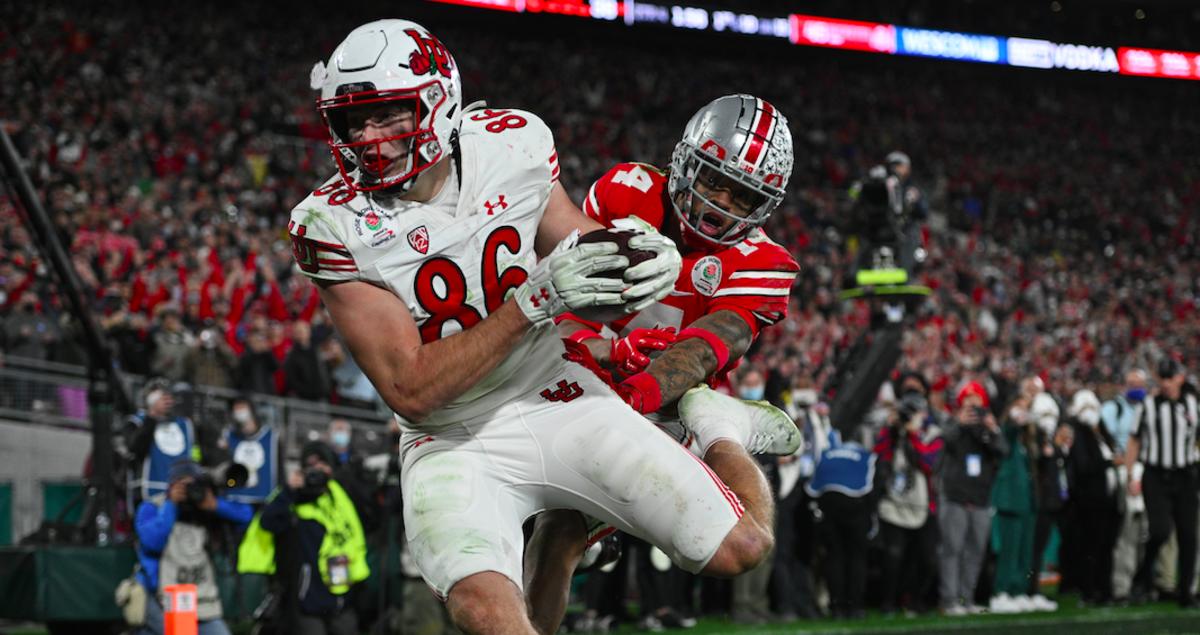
<point>1157,619</point>
<point>1153,619</point>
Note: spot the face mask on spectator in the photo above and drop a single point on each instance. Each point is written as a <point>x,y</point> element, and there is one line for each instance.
<point>1135,395</point>
<point>241,415</point>
<point>752,393</point>
<point>340,439</point>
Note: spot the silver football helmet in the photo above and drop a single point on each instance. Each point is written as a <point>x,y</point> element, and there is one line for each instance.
<point>393,62</point>
<point>741,138</point>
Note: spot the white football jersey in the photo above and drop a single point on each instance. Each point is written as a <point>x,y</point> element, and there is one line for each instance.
<point>453,259</point>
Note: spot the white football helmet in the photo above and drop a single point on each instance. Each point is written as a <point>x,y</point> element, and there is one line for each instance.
<point>745,139</point>
<point>390,61</point>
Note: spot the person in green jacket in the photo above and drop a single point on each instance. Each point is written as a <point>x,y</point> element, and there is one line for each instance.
<point>310,536</point>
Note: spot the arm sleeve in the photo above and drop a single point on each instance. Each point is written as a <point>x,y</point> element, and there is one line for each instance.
<point>277,514</point>
<point>317,246</point>
<point>237,513</point>
<point>758,284</point>
<point>154,524</point>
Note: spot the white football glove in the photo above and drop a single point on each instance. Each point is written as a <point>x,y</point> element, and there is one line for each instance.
<point>654,279</point>
<point>564,281</point>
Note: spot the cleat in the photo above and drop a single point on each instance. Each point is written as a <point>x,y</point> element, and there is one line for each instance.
<point>755,425</point>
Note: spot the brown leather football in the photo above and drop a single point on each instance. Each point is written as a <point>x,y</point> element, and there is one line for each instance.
<point>621,237</point>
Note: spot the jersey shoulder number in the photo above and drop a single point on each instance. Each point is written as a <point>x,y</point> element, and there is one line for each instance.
<point>318,244</point>
<point>628,189</point>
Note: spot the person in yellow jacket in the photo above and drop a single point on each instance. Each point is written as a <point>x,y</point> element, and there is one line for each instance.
<point>310,536</point>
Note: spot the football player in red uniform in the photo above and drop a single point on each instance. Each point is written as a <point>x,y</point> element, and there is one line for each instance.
<point>727,175</point>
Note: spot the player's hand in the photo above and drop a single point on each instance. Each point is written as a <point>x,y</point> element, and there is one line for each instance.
<point>209,504</point>
<point>630,354</point>
<point>641,392</point>
<point>652,280</point>
<point>177,492</point>
<point>566,280</point>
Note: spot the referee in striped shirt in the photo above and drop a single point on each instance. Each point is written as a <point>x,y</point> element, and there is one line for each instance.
<point>1163,438</point>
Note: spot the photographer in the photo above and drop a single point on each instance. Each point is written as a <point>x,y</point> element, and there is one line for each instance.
<point>972,450</point>
<point>309,534</point>
<point>173,532</point>
<point>907,450</point>
<point>156,437</point>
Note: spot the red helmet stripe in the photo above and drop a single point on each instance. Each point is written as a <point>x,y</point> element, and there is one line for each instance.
<point>764,124</point>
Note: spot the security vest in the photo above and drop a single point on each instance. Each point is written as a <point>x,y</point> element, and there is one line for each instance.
<point>260,455</point>
<point>343,539</point>
<point>174,439</point>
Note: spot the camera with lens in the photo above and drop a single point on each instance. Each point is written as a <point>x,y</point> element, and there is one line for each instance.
<point>910,404</point>
<point>315,479</point>
<point>216,480</point>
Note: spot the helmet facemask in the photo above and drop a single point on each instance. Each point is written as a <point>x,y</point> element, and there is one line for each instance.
<point>700,167</point>
<point>366,157</point>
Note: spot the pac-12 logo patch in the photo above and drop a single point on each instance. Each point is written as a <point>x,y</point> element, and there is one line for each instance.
<point>419,239</point>
<point>706,275</point>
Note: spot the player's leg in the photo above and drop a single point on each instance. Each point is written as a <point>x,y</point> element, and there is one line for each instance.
<point>462,516</point>
<point>727,430</point>
<point>605,460</point>
<point>551,556</point>
<point>490,603</point>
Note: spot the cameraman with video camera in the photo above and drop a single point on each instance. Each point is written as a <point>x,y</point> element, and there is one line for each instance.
<point>311,537</point>
<point>174,532</point>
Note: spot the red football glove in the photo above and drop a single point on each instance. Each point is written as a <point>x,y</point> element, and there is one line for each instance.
<point>641,392</point>
<point>630,354</point>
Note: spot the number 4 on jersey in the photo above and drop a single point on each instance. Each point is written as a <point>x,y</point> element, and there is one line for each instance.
<point>635,177</point>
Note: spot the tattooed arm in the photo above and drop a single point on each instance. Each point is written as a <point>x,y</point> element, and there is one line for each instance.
<point>690,361</point>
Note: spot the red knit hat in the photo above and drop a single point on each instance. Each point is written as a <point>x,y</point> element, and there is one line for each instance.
<point>972,388</point>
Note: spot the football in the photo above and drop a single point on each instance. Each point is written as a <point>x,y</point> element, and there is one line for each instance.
<point>635,256</point>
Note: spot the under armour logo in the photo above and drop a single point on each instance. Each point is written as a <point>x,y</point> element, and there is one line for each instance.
<point>565,392</point>
<point>491,207</point>
<point>537,302</point>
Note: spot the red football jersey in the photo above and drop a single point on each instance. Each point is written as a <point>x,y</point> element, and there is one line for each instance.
<point>752,278</point>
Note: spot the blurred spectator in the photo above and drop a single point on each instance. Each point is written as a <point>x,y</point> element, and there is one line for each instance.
<point>256,368</point>
<point>1119,415</point>
<point>341,437</point>
<point>210,362</point>
<point>908,450</point>
<point>155,438</point>
<point>842,485</point>
<point>351,385</point>
<point>255,447</point>
<point>309,534</point>
<point>1121,412</point>
<point>1013,501</point>
<point>28,331</point>
<point>175,531</point>
<point>1096,497</point>
<point>792,581</point>
<point>305,372</point>
<point>1048,444</point>
<point>972,451</point>
<point>171,347</point>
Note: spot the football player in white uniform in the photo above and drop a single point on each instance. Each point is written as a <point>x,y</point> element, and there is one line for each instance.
<point>426,247</point>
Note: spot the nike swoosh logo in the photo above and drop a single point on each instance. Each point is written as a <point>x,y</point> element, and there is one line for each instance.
<point>678,294</point>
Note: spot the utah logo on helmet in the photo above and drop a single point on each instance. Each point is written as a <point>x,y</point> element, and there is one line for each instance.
<point>390,63</point>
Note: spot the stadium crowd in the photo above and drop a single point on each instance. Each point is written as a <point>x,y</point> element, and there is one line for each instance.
<point>1062,239</point>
